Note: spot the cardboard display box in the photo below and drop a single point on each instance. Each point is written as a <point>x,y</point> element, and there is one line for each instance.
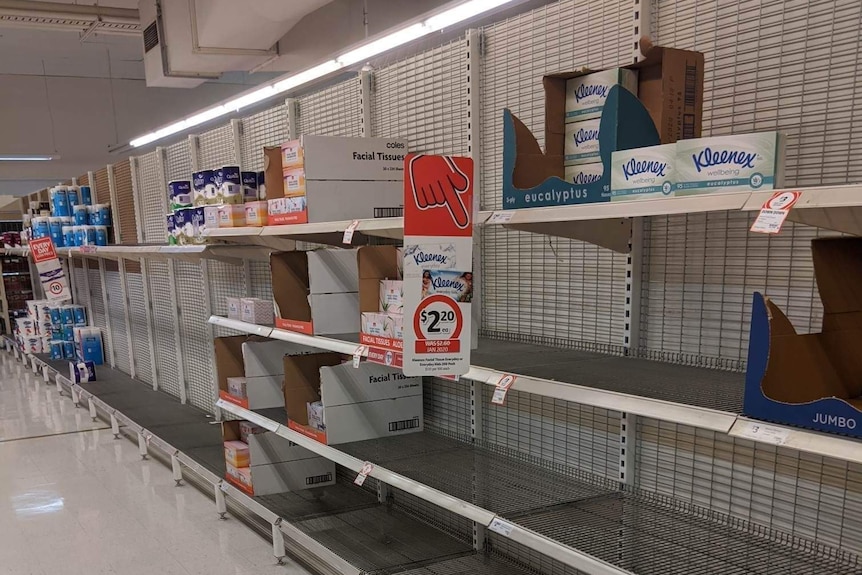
<point>265,447</point>
<point>812,380</point>
<point>332,201</point>
<point>345,159</point>
<point>376,264</point>
<point>361,403</point>
<point>252,357</point>
<point>669,107</point>
<point>315,292</point>
<point>282,477</point>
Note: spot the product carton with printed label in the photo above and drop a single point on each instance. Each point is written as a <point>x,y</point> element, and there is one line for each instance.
<point>581,174</point>
<point>582,142</point>
<point>345,159</point>
<point>812,380</point>
<point>668,107</point>
<point>643,173</point>
<point>268,479</point>
<point>315,291</point>
<point>367,402</point>
<point>236,453</point>
<point>376,265</point>
<point>722,164</point>
<point>264,447</point>
<point>586,95</point>
<point>335,200</point>
<point>259,362</point>
<point>255,310</point>
<point>392,296</point>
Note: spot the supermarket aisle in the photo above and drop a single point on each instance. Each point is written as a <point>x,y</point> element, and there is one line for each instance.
<point>74,500</point>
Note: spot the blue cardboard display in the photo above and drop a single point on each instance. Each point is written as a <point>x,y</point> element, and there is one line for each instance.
<point>812,380</point>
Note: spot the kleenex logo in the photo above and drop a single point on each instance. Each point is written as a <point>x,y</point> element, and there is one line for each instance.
<point>443,283</point>
<point>708,157</point>
<point>421,257</point>
<point>582,178</point>
<point>587,90</point>
<point>634,167</point>
<point>583,136</point>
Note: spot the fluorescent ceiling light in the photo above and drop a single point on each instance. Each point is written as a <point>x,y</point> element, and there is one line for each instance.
<point>367,51</point>
<point>383,44</point>
<point>461,12</point>
<point>12,158</point>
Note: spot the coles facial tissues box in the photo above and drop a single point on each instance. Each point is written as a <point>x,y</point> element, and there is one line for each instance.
<point>367,402</point>
<point>329,178</point>
<point>643,173</point>
<point>738,163</point>
<point>812,380</point>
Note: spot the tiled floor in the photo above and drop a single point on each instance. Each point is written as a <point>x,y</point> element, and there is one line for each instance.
<point>73,500</point>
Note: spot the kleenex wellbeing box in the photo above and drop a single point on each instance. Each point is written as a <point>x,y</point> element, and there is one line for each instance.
<point>582,142</point>
<point>737,163</point>
<point>581,174</point>
<point>643,172</point>
<point>585,95</point>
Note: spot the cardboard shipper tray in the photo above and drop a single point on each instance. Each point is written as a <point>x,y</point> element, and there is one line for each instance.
<point>812,380</point>
<point>668,107</point>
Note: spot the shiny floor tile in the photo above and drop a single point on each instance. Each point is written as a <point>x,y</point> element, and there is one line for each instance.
<point>74,500</point>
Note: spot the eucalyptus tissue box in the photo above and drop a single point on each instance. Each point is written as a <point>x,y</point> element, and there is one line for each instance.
<point>737,163</point>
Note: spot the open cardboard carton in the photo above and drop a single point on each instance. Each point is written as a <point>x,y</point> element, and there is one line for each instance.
<point>315,291</point>
<point>668,107</point>
<point>276,464</point>
<point>258,360</point>
<point>812,380</point>
<point>378,263</point>
<point>367,402</point>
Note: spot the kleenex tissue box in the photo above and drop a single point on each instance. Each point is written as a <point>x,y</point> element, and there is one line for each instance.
<point>82,371</point>
<point>643,172</point>
<point>315,415</point>
<point>582,142</point>
<point>584,173</point>
<point>737,163</point>
<point>586,95</point>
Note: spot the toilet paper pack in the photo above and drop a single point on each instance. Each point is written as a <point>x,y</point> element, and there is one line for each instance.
<point>737,163</point>
<point>643,172</point>
<point>582,142</point>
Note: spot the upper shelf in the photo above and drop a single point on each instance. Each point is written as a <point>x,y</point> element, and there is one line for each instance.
<point>229,254</point>
<point>692,396</point>
<point>608,224</point>
<point>329,233</point>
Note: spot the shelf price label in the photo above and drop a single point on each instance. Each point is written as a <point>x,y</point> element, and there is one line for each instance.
<point>366,470</point>
<point>357,355</point>
<point>51,273</point>
<point>765,433</point>
<point>774,211</point>
<point>349,231</point>
<point>503,384</point>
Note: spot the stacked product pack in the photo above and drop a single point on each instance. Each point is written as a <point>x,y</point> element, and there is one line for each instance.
<point>585,100</point>
<point>212,199</point>
<point>72,219</point>
<point>251,310</point>
<point>719,164</point>
<point>61,331</point>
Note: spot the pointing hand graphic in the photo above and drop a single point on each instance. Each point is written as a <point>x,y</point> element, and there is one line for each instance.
<point>437,181</point>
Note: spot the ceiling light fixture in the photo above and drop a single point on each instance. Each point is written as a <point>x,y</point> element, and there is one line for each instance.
<point>22,158</point>
<point>445,19</point>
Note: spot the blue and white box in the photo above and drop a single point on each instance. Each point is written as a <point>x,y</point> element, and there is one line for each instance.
<point>582,142</point>
<point>584,173</point>
<point>86,195</point>
<point>643,173</point>
<point>230,185</point>
<point>204,187</point>
<point>737,163</point>
<point>79,313</point>
<point>586,95</point>
<point>82,371</point>
<point>91,345</point>
<point>56,350</point>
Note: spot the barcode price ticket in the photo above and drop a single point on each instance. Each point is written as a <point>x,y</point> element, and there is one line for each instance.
<point>501,526</point>
<point>500,217</point>
<point>505,382</point>
<point>774,211</point>
<point>764,433</point>
<point>348,233</point>
<point>366,470</point>
<point>358,353</point>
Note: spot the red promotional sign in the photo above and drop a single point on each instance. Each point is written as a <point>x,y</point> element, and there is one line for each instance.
<point>441,189</point>
<point>42,250</point>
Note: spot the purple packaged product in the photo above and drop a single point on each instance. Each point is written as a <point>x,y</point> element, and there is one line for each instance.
<point>198,222</point>
<point>249,186</point>
<point>180,193</point>
<point>261,185</point>
<point>205,186</point>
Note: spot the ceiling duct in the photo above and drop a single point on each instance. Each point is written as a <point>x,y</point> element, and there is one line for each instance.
<point>70,17</point>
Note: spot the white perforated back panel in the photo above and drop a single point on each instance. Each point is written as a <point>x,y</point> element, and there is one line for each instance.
<point>216,148</point>
<point>266,128</point>
<point>164,314</point>
<point>334,111</point>
<point>98,316</point>
<point>116,310</point>
<point>151,198</point>
<point>195,339</point>
<point>138,318</point>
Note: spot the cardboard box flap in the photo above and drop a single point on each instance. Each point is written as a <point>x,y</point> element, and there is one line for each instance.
<point>290,285</point>
<point>799,371</point>
<point>375,263</point>
<point>264,357</point>
<point>228,357</point>
<point>838,271</point>
<point>302,382</point>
